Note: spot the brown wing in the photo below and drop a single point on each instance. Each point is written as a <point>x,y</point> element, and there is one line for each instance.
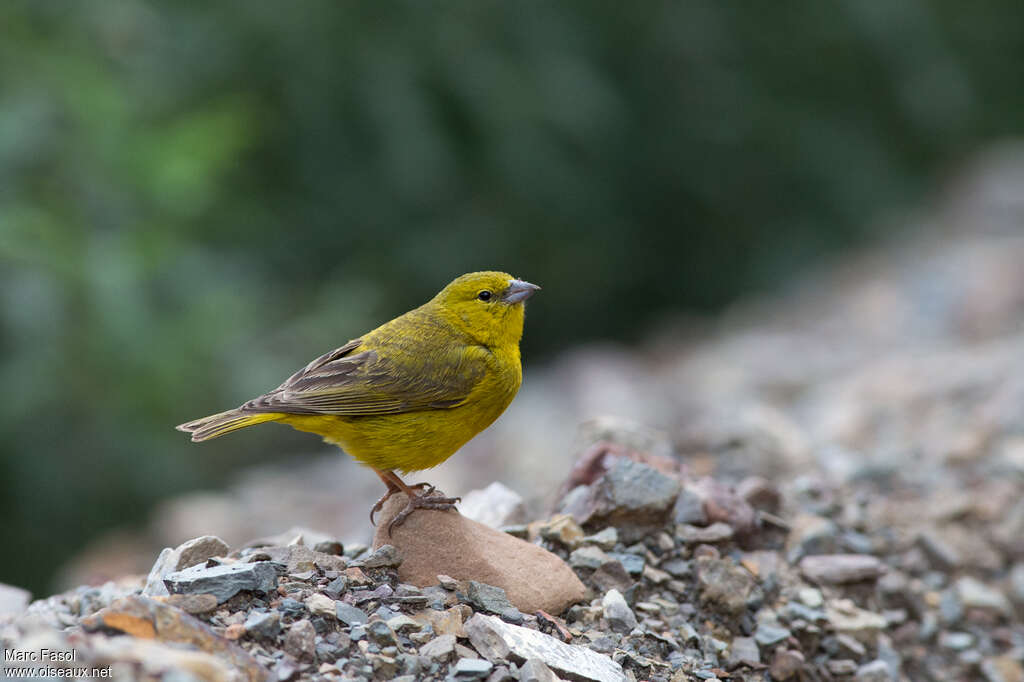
<point>353,382</point>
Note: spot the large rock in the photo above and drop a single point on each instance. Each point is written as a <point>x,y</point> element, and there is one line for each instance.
<point>225,581</point>
<point>433,543</point>
<point>189,553</point>
<point>631,496</point>
<point>498,640</point>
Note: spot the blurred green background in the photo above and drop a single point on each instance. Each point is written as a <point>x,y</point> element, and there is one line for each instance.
<point>196,198</point>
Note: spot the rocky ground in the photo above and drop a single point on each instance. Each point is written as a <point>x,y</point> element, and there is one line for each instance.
<point>833,489</point>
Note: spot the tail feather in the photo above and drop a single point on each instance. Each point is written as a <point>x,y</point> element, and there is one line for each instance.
<point>224,422</point>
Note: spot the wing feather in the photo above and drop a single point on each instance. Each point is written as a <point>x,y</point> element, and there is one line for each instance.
<point>354,381</point>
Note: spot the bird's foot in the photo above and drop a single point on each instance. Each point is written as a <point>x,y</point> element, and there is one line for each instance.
<point>427,489</point>
<point>424,501</point>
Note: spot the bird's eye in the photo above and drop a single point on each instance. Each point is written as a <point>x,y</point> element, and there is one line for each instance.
<point>484,295</point>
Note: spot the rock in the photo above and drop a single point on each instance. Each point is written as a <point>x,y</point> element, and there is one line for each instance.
<point>192,603</point>
<point>497,640</point>
<point>620,617</point>
<point>562,528</point>
<point>718,531</point>
<point>633,497</point>
<point>263,625</point>
<point>440,648</point>
<point>321,605</point>
<point>449,622</point>
<point>190,553</point>
<point>606,538</point>
<point>588,556</point>
<point>786,664</point>
<point>875,671</point>
<point>839,569</point>
<point>956,641</point>
<point>975,594</point>
<point>350,615</point>
<point>760,494</point>
<point>197,551</point>
<point>612,575</point>
<point>633,563</point>
<point>224,581</point>
<point>768,635</point>
<point>496,506</point>
<point>535,670</point>
<point>471,669</point>
<point>300,641</point>
<point>689,507</point>
<point>380,634</point>
<point>724,585</point>
<point>147,618</point>
<point>1005,668</point>
<point>723,504</point>
<point>403,623</point>
<point>743,651</point>
<point>809,534</point>
<point>846,618</point>
<point>384,556</point>
<point>492,599</point>
<point>473,551</point>
<point>13,600</point>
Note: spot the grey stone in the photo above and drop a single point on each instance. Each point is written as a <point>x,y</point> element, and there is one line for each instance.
<point>942,553</point>
<point>620,617</point>
<point>769,635</point>
<point>187,554</point>
<point>440,648</point>
<point>224,581</point>
<point>588,556</point>
<point>385,556</point>
<point>336,587</point>
<point>743,651</point>
<point>633,563</point>
<point>496,639</point>
<point>846,618</point>
<point>606,538</point>
<point>956,641</point>
<point>496,506</point>
<point>632,497</point>
<point>263,625</point>
<point>13,600</point>
<point>350,615</point>
<point>471,668</point>
<point>536,670</point>
<point>838,569</point>
<point>300,641</point>
<point>689,507</point>
<point>975,594</point>
<point>875,671</point>
<point>380,634</point>
<point>492,600</point>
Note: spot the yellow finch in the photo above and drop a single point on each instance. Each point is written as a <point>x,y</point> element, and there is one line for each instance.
<point>408,394</point>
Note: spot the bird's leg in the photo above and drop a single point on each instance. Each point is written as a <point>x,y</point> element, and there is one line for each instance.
<point>416,501</point>
<point>394,485</point>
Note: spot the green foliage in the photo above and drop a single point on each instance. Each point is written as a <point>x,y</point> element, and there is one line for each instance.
<point>196,198</point>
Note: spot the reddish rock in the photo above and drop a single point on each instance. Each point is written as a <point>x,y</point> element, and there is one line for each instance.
<point>445,542</point>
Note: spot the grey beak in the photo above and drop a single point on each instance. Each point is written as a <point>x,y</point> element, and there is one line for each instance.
<point>518,291</point>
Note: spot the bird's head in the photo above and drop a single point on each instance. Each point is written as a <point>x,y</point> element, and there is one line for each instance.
<point>489,306</point>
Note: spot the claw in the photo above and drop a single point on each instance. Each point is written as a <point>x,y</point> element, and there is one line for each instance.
<point>428,489</point>
<point>423,501</point>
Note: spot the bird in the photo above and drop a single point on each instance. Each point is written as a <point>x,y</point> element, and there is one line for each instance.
<point>407,395</point>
